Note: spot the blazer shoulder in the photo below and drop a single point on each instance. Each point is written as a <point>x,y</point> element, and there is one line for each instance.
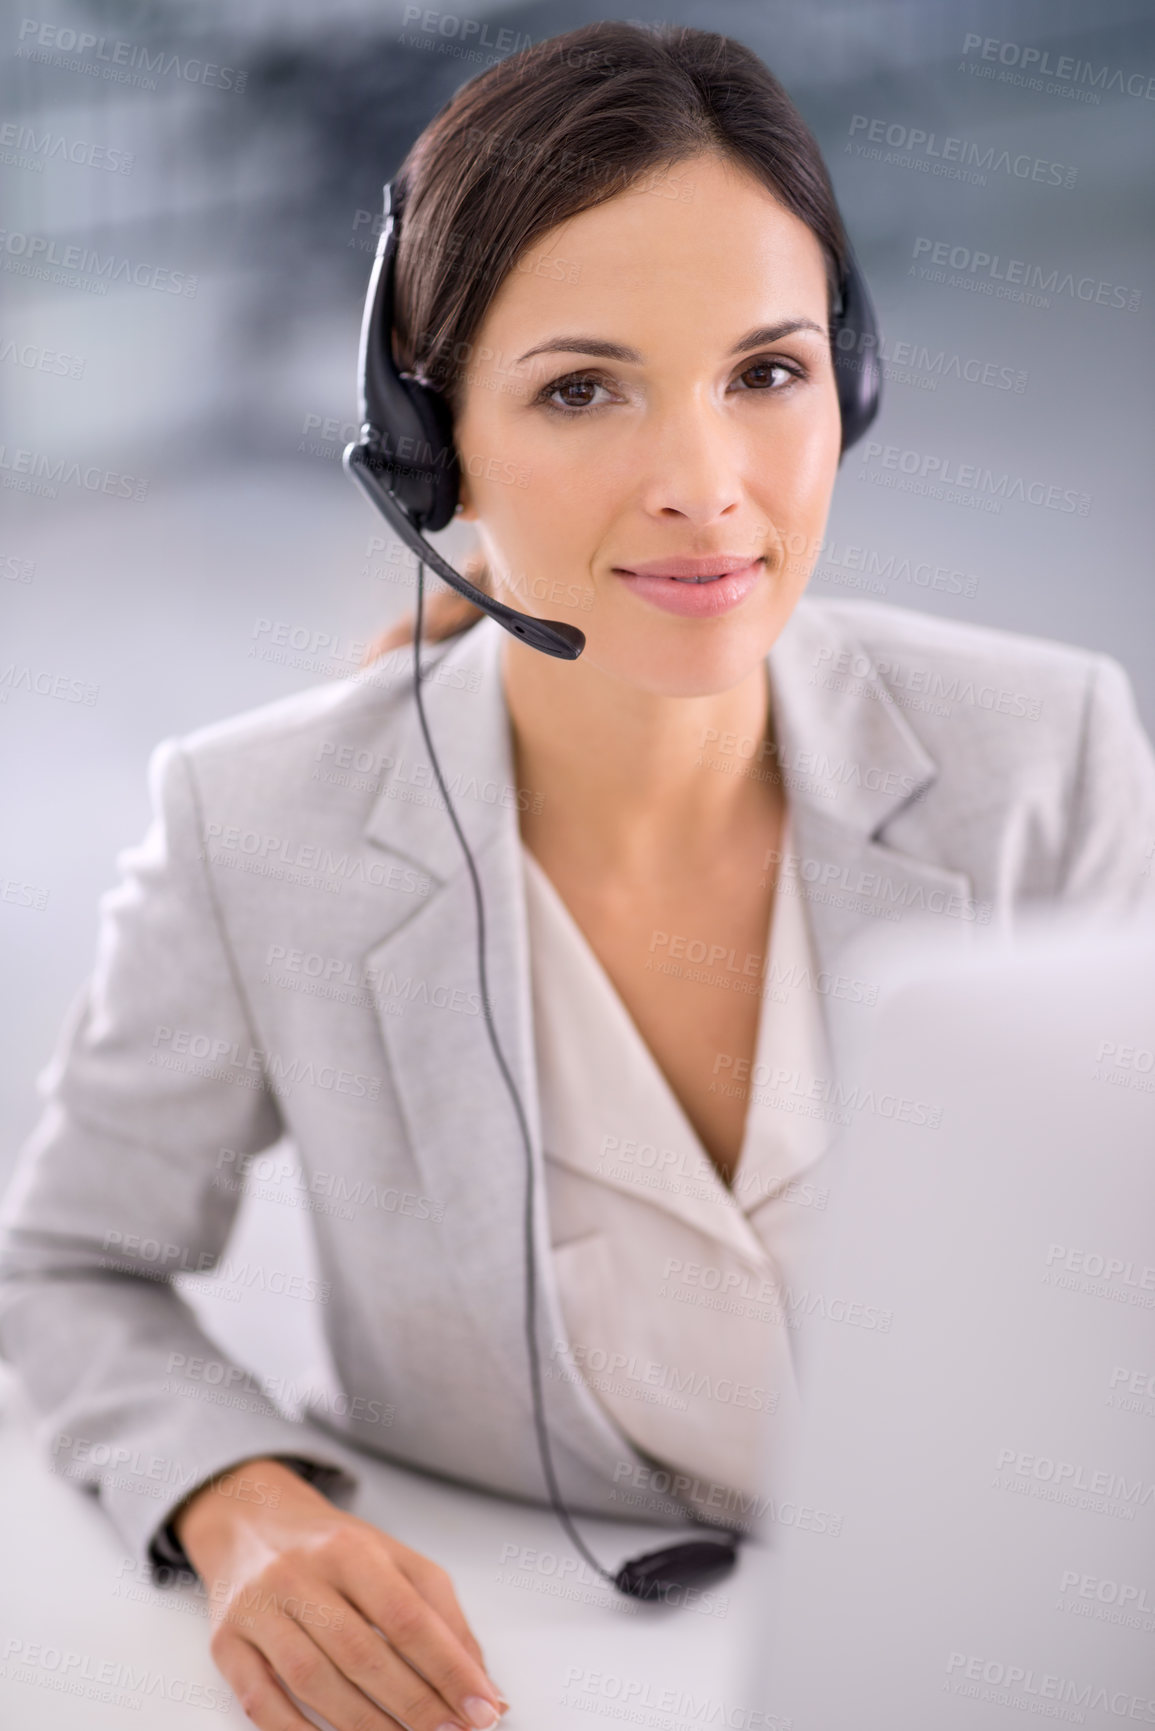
<point>951,679</point>
<point>1045,777</point>
<point>364,702</point>
<point>289,764</point>
<point>895,635</point>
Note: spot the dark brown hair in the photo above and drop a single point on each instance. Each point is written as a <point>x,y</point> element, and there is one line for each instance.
<point>553,131</point>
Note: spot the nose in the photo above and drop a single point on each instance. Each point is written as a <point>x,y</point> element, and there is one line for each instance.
<point>692,466</point>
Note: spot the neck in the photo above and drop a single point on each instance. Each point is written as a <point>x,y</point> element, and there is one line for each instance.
<point>630,777</point>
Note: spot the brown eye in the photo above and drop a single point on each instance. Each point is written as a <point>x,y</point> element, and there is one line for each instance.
<point>760,375</point>
<point>575,392</point>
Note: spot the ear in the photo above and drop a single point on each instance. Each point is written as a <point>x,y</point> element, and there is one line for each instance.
<point>465,511</point>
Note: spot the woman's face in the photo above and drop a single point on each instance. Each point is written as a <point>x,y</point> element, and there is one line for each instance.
<point>652,384</point>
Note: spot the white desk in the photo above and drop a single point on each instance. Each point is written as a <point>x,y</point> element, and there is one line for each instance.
<point>567,1651</point>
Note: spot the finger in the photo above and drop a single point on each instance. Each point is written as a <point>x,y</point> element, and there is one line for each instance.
<point>314,1679</point>
<point>434,1584</point>
<point>388,1600</point>
<point>250,1677</point>
<point>362,1655</point>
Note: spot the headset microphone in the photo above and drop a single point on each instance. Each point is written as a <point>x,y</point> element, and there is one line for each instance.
<point>406,463</point>
<point>405,459</point>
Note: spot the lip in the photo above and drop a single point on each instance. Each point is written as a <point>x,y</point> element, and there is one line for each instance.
<point>723,584</point>
<point>710,565</point>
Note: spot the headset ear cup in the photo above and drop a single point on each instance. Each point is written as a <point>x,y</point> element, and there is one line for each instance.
<point>439,493</point>
<point>857,364</point>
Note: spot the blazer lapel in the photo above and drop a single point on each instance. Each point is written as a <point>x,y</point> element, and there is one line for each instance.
<point>850,762</point>
<point>851,765</point>
<point>461,1122</point>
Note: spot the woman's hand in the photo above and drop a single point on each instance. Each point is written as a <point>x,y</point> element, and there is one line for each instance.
<point>299,1592</point>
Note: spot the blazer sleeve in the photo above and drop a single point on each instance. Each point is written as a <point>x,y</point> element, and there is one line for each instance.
<point>114,1193</point>
<point>1109,861</point>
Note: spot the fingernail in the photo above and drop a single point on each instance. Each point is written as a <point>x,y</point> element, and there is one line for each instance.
<point>449,1726</point>
<point>480,1712</point>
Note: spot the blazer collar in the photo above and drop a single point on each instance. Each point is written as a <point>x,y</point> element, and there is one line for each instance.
<point>847,755</point>
<point>469,724</point>
<point>844,748</point>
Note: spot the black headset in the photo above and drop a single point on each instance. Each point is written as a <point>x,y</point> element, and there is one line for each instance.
<point>405,461</point>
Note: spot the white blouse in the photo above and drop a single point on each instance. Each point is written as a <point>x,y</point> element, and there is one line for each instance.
<point>679,1293</point>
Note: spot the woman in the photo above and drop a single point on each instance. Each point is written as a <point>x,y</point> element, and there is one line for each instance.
<point>619,261</point>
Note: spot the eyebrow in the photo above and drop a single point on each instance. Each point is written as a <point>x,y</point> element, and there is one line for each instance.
<point>583,345</point>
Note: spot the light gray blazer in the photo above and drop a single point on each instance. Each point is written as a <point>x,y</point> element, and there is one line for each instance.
<point>292,950</point>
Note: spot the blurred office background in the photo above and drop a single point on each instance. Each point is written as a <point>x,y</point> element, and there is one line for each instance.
<point>233,153</point>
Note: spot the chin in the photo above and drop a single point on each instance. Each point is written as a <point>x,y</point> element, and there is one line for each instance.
<point>698,658</point>
<point>684,669</point>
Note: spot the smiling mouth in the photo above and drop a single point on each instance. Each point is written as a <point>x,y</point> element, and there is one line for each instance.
<point>692,571</point>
